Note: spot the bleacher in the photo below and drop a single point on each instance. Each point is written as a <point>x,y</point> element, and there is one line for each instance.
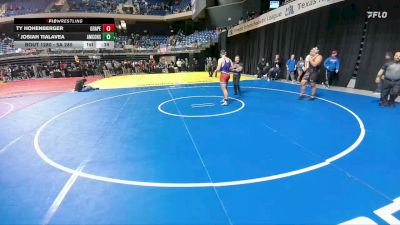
<point>152,41</point>
<point>6,45</point>
<point>144,7</point>
<point>199,38</point>
<point>22,7</point>
<point>109,6</point>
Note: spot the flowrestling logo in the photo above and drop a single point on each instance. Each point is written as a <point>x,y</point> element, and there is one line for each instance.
<point>377,14</point>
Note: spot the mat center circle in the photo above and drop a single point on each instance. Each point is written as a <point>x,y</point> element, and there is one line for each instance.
<point>200,106</point>
<point>67,162</point>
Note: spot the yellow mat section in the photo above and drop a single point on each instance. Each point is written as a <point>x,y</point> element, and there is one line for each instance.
<point>145,80</point>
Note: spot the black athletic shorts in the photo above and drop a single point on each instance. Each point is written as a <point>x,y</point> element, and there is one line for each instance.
<point>311,76</point>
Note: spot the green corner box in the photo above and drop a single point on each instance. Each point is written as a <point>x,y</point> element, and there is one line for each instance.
<point>108,36</point>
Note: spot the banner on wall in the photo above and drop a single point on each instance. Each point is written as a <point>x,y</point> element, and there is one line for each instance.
<point>286,11</point>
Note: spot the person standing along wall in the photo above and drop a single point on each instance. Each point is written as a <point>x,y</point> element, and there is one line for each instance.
<point>291,68</point>
<point>332,66</point>
<point>300,69</point>
<point>209,67</point>
<point>214,64</point>
<point>179,65</point>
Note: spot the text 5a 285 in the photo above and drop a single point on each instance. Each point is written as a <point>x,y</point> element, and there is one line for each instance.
<point>64,45</point>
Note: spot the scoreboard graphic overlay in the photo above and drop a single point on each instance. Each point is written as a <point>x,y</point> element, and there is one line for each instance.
<point>79,33</point>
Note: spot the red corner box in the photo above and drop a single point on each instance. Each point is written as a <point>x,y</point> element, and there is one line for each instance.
<point>108,27</point>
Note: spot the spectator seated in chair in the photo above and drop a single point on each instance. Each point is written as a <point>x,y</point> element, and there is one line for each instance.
<point>274,72</point>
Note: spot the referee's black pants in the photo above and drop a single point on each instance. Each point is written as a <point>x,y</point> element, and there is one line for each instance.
<point>391,89</point>
<point>236,83</point>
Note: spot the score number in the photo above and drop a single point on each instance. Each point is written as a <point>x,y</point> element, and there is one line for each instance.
<point>108,36</point>
<point>108,32</point>
<point>108,27</point>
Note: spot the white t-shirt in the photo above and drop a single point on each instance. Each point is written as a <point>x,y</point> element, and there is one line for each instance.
<point>307,61</point>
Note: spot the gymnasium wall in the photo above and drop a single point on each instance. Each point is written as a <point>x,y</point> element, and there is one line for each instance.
<point>225,15</point>
<point>339,26</point>
<point>383,35</point>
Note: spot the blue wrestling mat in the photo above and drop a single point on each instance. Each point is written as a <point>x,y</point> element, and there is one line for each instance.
<point>173,155</point>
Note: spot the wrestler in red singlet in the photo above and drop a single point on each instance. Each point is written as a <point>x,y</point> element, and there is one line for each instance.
<point>225,66</point>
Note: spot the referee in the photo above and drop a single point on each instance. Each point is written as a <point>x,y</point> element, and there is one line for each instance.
<point>391,81</point>
<point>237,69</point>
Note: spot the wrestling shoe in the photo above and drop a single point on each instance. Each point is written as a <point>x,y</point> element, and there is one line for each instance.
<point>312,98</point>
<point>383,104</point>
<point>301,97</point>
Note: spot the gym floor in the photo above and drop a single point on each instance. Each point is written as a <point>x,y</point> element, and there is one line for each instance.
<point>162,150</point>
